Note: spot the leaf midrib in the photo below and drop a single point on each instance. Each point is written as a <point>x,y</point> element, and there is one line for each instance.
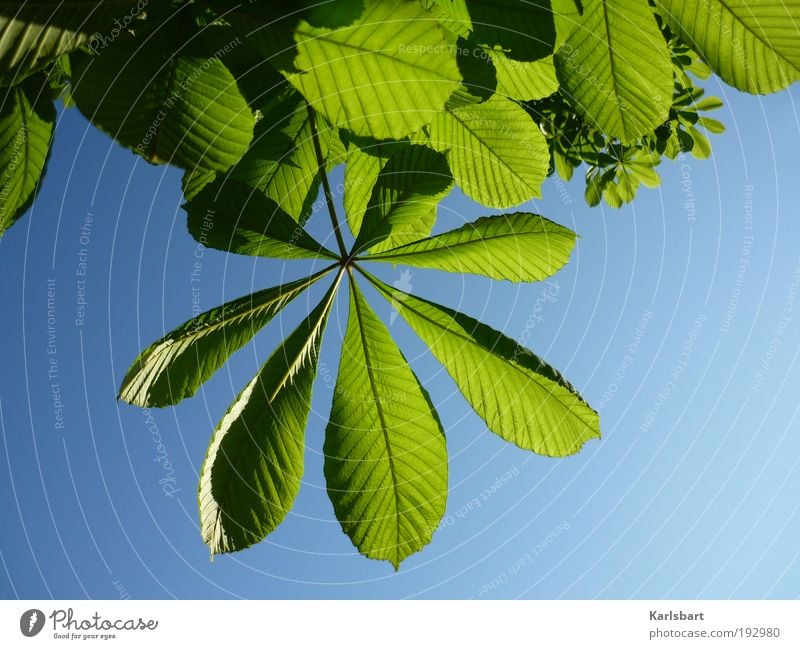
<point>381,414</point>
<point>469,242</point>
<point>285,158</point>
<point>302,30</point>
<point>612,64</point>
<point>472,342</point>
<point>280,385</point>
<point>486,146</point>
<point>291,370</point>
<point>223,321</point>
<point>761,40</point>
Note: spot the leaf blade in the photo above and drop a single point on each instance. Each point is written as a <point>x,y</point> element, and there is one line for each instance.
<point>385,454</point>
<point>174,367</point>
<point>27,123</point>
<point>751,45</point>
<point>281,160</point>
<point>35,33</point>
<point>178,105</point>
<point>519,247</point>
<point>616,68</point>
<point>544,414</point>
<point>383,76</point>
<point>252,471</point>
<point>402,205</point>
<point>231,216</point>
<point>496,152</point>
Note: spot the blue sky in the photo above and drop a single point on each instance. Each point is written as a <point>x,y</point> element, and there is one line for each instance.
<point>677,318</point>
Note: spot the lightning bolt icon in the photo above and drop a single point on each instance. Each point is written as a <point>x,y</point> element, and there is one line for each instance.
<point>32,621</point>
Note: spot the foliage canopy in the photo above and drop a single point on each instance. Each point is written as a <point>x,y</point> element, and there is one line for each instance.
<point>258,101</point>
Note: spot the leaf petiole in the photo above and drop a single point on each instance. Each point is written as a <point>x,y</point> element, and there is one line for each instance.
<point>326,187</point>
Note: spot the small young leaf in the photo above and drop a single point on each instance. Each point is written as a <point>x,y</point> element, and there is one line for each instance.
<point>562,166</point>
<point>594,188</point>
<point>711,125</point>
<point>519,396</point>
<point>612,195</point>
<point>174,367</point>
<point>254,464</point>
<point>385,453</point>
<point>708,103</point>
<point>519,247</point>
<point>647,175</point>
<point>702,147</point>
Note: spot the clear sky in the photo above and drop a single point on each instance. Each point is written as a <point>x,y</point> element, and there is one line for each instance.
<point>677,318</point>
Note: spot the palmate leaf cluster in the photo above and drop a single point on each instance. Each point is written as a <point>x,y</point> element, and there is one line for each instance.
<point>258,101</point>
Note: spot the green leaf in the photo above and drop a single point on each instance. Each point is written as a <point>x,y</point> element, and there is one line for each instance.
<point>364,162</point>
<point>701,149</point>
<point>194,180</point>
<point>612,195</point>
<point>616,68</point>
<point>256,78</point>
<point>281,161</point>
<point>35,32</point>
<point>562,165</point>
<point>567,17</point>
<point>233,217</point>
<point>254,464</point>
<point>626,186</point>
<point>452,14</point>
<point>519,396</point>
<point>594,188</point>
<point>169,103</point>
<point>496,152</point>
<point>402,206</point>
<point>175,366</point>
<point>518,247</point>
<point>524,30</point>
<point>27,120</point>
<point>385,453</point>
<point>385,76</point>
<point>647,175</point>
<point>711,125</point>
<point>708,103</point>
<point>523,80</point>
<point>753,46</point>
<point>337,151</point>
<point>478,73</point>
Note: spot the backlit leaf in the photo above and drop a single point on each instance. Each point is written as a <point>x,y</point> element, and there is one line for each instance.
<point>385,454</point>
<point>518,395</point>
<point>254,464</point>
